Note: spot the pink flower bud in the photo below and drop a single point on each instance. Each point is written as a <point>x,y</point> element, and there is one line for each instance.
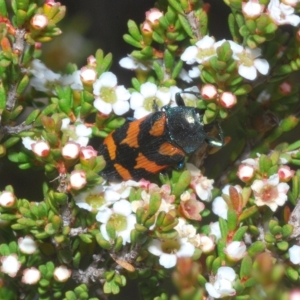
<point>70,150</point>
<point>235,251</point>
<point>41,148</point>
<point>78,179</point>
<point>10,265</point>
<point>245,172</point>
<point>252,9</point>
<point>7,199</point>
<point>146,28</point>
<point>87,152</point>
<point>88,75</point>
<point>27,244</point>
<point>228,99</point>
<point>52,3</point>
<point>209,92</point>
<point>62,274</point>
<point>153,15</point>
<point>285,173</point>
<point>285,88</point>
<point>205,243</point>
<point>91,61</point>
<point>31,276</point>
<point>39,21</point>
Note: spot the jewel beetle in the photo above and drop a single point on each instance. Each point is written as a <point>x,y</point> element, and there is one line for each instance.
<point>143,147</point>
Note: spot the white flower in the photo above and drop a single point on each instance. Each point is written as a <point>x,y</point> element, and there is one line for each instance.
<point>194,72</point>
<point>144,102</point>
<point>282,13</point>
<point>120,217</point>
<point>270,192</point>
<point>109,96</point>
<point>248,61</point>
<point>215,230</point>
<point>73,80</point>
<point>200,184</point>
<point>78,133</point>
<point>27,244</point>
<point>252,9</point>
<point>189,98</point>
<point>62,273</point>
<point>223,284</point>
<point>205,243</point>
<point>185,76</point>
<point>169,250</point>
<point>132,63</point>
<point>220,207</point>
<point>96,198</point>
<point>31,276</point>
<point>44,78</point>
<point>201,52</point>
<point>236,250</point>
<point>27,142</point>
<point>294,253</point>
<point>10,265</point>
<point>82,133</point>
<point>185,230</point>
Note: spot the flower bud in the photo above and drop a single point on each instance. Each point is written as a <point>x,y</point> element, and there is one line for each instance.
<point>88,75</point>
<point>235,251</point>
<point>7,199</point>
<point>252,9</point>
<point>87,153</point>
<point>209,92</point>
<point>285,173</point>
<point>41,148</point>
<point>153,15</point>
<point>39,21</point>
<point>285,88</point>
<point>245,172</point>
<point>91,61</point>
<point>10,265</point>
<point>78,179</point>
<point>27,244</point>
<point>31,276</point>
<point>70,150</point>
<point>146,28</point>
<point>62,274</point>
<point>228,99</point>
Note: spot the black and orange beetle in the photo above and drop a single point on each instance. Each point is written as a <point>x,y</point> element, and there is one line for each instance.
<point>144,147</point>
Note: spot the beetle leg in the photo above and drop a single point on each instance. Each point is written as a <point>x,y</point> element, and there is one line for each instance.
<point>216,142</point>
<point>130,119</point>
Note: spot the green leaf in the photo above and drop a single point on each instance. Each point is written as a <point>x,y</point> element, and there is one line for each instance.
<point>186,25</point>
